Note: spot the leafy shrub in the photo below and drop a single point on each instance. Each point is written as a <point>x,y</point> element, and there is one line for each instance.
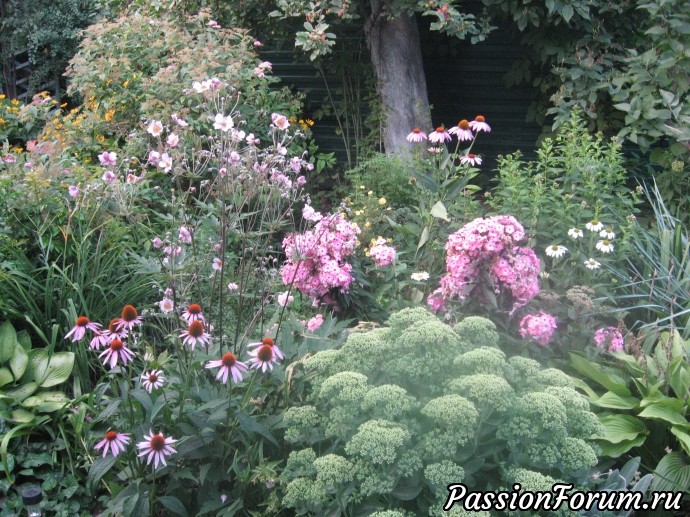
<point>573,196</point>
<point>399,412</point>
<point>20,122</point>
<point>385,176</point>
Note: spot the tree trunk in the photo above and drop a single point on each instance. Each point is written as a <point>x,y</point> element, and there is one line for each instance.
<point>397,60</point>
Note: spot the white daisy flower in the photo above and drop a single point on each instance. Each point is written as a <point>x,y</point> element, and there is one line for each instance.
<point>607,233</point>
<point>556,251</point>
<point>605,246</point>
<point>575,233</point>
<point>592,264</point>
<point>594,225</point>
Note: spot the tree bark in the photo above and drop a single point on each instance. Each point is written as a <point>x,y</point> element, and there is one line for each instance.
<point>397,60</point>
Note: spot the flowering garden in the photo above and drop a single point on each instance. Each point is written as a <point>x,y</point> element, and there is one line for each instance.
<point>190,325</point>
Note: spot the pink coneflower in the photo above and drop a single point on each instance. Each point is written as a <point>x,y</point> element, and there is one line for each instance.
<point>152,380</point>
<point>263,357</point>
<point>114,442</point>
<point>100,339</point>
<point>157,447</point>
<point>439,135</point>
<point>462,131</point>
<point>193,313</point>
<point>416,135</point>
<point>472,159</point>
<point>479,124</point>
<point>128,318</point>
<point>79,329</point>
<point>116,350</point>
<point>267,341</point>
<point>228,364</point>
<point>113,332</point>
<point>195,335</point>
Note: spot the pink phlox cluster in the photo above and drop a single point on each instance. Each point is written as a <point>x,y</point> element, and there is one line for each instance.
<point>381,253</point>
<point>609,338</point>
<point>488,247</point>
<point>317,259</point>
<point>538,327</point>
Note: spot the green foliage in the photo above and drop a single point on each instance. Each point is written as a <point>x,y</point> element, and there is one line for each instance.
<point>385,176</point>
<point>654,283</point>
<point>20,122</point>
<point>644,408</point>
<point>128,69</point>
<point>49,31</point>
<point>394,427</point>
<point>578,179</point>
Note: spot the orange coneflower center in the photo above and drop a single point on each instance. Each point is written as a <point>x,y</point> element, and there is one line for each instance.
<point>463,124</point>
<point>82,321</point>
<point>267,341</point>
<point>605,242</point>
<point>416,130</point>
<point>157,442</point>
<point>116,345</point>
<point>129,313</point>
<point>471,156</point>
<point>153,377</point>
<point>440,129</point>
<point>112,326</point>
<point>229,359</point>
<point>265,353</point>
<point>110,435</point>
<point>196,329</point>
<point>480,118</point>
<point>194,308</point>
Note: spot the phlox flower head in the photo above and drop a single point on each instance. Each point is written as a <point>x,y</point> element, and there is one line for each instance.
<point>79,330</point>
<point>314,323</point>
<point>229,365</point>
<point>115,352</point>
<point>381,253</point>
<point>152,380</point>
<point>114,442</point>
<point>439,135</point>
<point>462,131</point>
<point>156,448</point>
<point>309,214</point>
<point>538,327</point>
<point>108,159</point>
<point>479,124</point>
<point>609,339</point>
<point>416,135</point>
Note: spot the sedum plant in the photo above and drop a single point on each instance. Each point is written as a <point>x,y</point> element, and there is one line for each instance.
<point>401,411</point>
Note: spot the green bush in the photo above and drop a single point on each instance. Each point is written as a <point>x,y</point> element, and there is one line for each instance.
<point>386,176</point>
<point>399,412</point>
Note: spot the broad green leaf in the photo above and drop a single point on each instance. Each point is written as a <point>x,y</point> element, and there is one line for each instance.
<point>667,410</point>
<point>5,376</point>
<point>98,469</point>
<point>8,340</point>
<point>24,340</point>
<point>608,380</point>
<point>23,391</point>
<point>19,362</point>
<point>611,400</point>
<point>618,428</point>
<point>683,438</point>
<point>567,12</point>
<point>679,376</point>
<point>423,238</point>
<point>614,450</point>
<point>59,369</point>
<point>439,211</point>
<point>173,504</point>
<point>22,416</point>
<point>47,402</point>
<point>672,473</point>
